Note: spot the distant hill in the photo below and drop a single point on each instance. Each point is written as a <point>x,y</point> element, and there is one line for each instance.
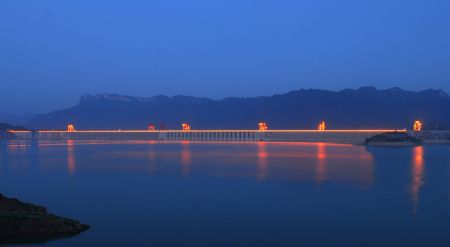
<point>5,126</point>
<point>366,107</point>
<point>16,119</point>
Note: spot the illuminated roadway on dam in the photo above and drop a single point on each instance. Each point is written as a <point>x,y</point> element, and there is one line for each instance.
<point>209,130</point>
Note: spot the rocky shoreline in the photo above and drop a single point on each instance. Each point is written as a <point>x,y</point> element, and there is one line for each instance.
<point>27,223</point>
<point>394,139</point>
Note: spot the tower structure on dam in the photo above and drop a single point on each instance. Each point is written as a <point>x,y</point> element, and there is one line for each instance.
<point>262,126</point>
<point>417,127</point>
<point>322,126</point>
<point>70,128</point>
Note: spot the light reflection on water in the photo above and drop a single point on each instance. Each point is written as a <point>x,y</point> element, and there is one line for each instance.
<point>152,167</point>
<point>186,159</point>
<point>377,184</point>
<point>417,175</point>
<point>321,163</point>
<point>300,161</point>
<point>70,156</point>
<point>262,161</point>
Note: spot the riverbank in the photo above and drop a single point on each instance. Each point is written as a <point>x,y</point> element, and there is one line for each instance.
<point>27,223</point>
<point>393,139</point>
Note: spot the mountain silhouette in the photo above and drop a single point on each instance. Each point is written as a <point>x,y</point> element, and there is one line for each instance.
<point>366,107</point>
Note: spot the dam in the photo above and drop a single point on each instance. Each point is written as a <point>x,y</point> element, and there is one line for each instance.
<point>356,137</point>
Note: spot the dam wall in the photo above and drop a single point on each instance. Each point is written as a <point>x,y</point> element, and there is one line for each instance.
<point>331,136</point>
<point>87,135</point>
<point>345,137</point>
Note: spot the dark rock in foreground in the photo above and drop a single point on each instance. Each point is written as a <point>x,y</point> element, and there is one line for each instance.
<point>24,222</point>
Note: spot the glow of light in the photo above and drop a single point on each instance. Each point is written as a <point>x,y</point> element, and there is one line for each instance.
<point>417,173</point>
<point>70,156</point>
<point>262,161</point>
<point>262,126</point>
<point>322,126</point>
<point>152,158</point>
<point>14,146</point>
<point>185,127</point>
<point>70,128</point>
<point>321,165</point>
<point>151,127</point>
<point>186,158</point>
<point>417,127</point>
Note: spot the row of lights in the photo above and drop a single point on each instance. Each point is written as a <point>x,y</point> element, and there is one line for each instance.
<point>262,126</point>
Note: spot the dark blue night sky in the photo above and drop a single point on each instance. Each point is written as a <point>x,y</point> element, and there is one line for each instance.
<point>53,51</point>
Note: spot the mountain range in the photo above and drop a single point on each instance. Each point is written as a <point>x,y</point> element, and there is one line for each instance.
<point>366,107</point>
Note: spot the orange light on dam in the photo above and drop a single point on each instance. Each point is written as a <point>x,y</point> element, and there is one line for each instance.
<point>70,128</point>
<point>322,126</point>
<point>417,127</point>
<point>262,126</point>
<point>185,127</point>
<point>151,127</point>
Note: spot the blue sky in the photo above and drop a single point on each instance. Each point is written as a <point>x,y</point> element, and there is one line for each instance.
<point>54,51</point>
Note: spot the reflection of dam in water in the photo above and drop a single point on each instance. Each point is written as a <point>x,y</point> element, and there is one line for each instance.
<point>404,172</point>
<point>318,162</point>
<point>331,136</point>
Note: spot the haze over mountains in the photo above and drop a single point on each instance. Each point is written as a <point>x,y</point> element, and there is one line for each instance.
<point>17,119</point>
<point>366,107</point>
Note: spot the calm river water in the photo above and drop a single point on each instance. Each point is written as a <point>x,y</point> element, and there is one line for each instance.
<point>141,193</point>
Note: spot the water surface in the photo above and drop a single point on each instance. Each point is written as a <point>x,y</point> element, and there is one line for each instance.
<point>144,193</point>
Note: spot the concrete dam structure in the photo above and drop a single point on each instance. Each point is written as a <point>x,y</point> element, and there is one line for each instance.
<point>330,136</point>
